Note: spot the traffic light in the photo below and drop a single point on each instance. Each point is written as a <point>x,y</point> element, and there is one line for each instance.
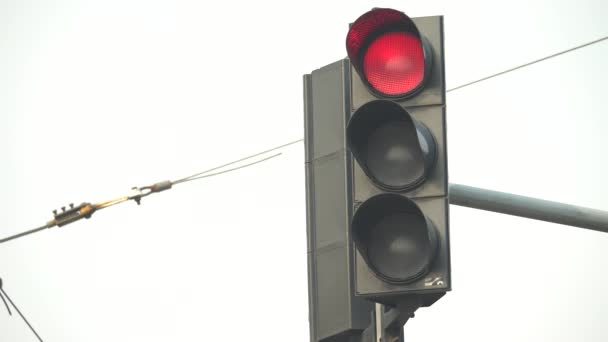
<point>397,136</point>
<point>376,177</point>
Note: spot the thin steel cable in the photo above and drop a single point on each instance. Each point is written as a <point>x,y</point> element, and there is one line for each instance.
<point>205,174</point>
<point>20,314</point>
<point>528,64</point>
<point>4,300</point>
<point>225,171</point>
<point>105,204</point>
<point>239,160</point>
<point>24,233</point>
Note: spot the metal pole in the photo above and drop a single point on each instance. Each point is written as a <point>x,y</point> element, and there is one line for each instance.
<point>533,208</point>
<point>379,309</point>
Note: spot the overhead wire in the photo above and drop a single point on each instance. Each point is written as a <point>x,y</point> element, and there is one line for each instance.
<point>109,203</point>
<point>85,210</point>
<point>206,174</point>
<point>24,233</point>
<point>528,64</point>
<point>238,160</point>
<point>4,300</point>
<point>3,292</point>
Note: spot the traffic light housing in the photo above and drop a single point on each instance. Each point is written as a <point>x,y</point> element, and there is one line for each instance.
<point>397,136</point>
<point>376,176</point>
<point>335,313</point>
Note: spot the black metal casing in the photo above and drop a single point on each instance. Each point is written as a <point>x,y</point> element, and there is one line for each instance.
<point>342,287</point>
<point>428,108</point>
<point>335,314</point>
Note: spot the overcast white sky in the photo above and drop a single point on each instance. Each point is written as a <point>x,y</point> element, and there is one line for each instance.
<point>97,97</point>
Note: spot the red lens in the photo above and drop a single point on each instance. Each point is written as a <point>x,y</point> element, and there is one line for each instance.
<point>394,63</point>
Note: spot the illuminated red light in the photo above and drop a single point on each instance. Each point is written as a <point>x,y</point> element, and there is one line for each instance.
<point>394,63</point>
<point>387,51</point>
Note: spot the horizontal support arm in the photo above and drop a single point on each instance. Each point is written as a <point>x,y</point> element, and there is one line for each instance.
<point>533,208</point>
